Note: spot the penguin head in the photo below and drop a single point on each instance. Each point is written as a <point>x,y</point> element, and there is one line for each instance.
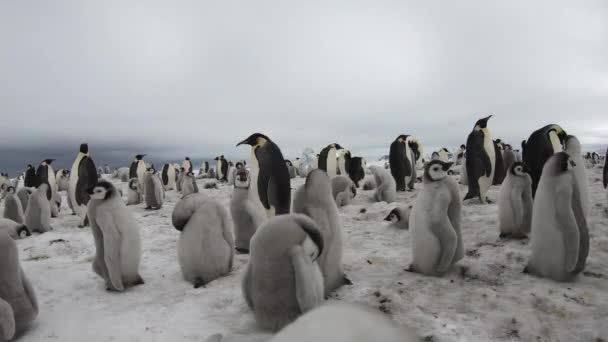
<point>139,157</point>
<point>482,123</point>
<point>152,171</point>
<point>288,162</point>
<point>317,182</point>
<point>239,165</point>
<point>254,140</point>
<point>435,156</point>
<point>10,189</point>
<point>463,147</point>
<point>436,170</point>
<point>29,166</point>
<point>190,174</point>
<point>187,158</point>
<point>103,190</point>
<point>559,163</point>
<point>402,138</point>
<point>47,161</point>
<point>519,169</point>
<point>23,232</point>
<point>84,148</point>
<point>394,216</point>
<point>133,184</point>
<point>241,179</point>
<point>572,144</point>
<point>3,187</point>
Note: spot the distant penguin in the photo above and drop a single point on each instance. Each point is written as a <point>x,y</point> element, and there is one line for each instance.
<point>107,170</point>
<point>315,200</point>
<point>385,185</point>
<point>138,169</point>
<point>180,179</point>
<point>460,155</point>
<point>189,185</point>
<point>30,180</point>
<point>134,193</point>
<point>508,158</point>
<point>402,163</point>
<point>212,173</point>
<point>38,212</point>
<point>283,279</point>
<point>187,164</point>
<point>273,182</point>
<point>560,235</point>
<point>481,160</point>
<point>464,178</point>
<point>344,157</point>
<point>46,174</point>
<point>443,154</point>
<point>117,239</point>
<point>154,194</point>
<point>328,159</point>
<point>168,175</point>
<point>206,246</point>
<point>18,303</point>
<point>343,190</point>
<point>224,168</point>
<point>15,230</point>
<point>12,206</point>
<point>499,167</point>
<point>435,222</point>
<point>83,176</point>
<point>63,180</point>
<point>24,195</point>
<point>55,204</point>
<point>399,217</point>
<point>204,168</point>
<point>231,174</point>
<point>605,178</point>
<point>355,170</point>
<point>247,215</point>
<point>218,168</point>
<point>573,148</point>
<point>291,169</point>
<point>539,147</point>
<point>343,322</point>
<point>515,203</point>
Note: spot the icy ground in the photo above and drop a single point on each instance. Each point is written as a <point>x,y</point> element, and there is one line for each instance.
<point>486,298</point>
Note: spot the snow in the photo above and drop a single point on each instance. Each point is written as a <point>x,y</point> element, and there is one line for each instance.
<point>485,298</point>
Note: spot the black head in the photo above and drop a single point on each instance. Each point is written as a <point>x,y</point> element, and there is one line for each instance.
<point>218,158</point>
<point>10,189</point>
<point>482,123</point>
<point>103,190</point>
<point>29,166</point>
<point>337,146</point>
<point>140,156</point>
<point>559,163</point>
<point>393,214</point>
<point>239,165</point>
<point>222,157</point>
<point>436,170</point>
<point>519,168</point>
<point>133,184</point>
<point>84,148</point>
<point>48,161</point>
<point>182,169</point>
<point>402,137</point>
<point>464,147</point>
<point>256,139</point>
<point>23,232</point>
<point>316,237</point>
<point>187,158</point>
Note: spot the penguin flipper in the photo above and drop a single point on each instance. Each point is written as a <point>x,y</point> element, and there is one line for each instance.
<point>7,320</point>
<point>569,227</point>
<point>29,291</point>
<point>306,293</point>
<point>227,234</point>
<point>446,235</point>
<point>111,248</point>
<point>246,289</point>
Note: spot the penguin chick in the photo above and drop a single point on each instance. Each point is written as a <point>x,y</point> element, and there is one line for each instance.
<point>12,206</point>
<point>15,230</point>
<point>247,214</point>
<point>133,193</point>
<point>386,190</point>
<point>343,189</point>
<point>399,217</point>
<point>189,185</point>
<point>515,203</point>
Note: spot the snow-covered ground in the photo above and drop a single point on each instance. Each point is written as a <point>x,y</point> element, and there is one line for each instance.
<point>486,298</point>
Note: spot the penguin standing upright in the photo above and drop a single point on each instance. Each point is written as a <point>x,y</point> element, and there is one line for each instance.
<point>481,160</point>
<point>344,157</point>
<point>30,180</point>
<point>500,172</point>
<point>541,145</point>
<point>355,170</point>
<point>82,177</point>
<point>402,163</point>
<point>46,174</point>
<point>273,182</point>
<point>187,164</point>
<point>138,169</point>
<point>63,179</point>
<point>168,176</point>
<point>606,174</point>
<point>508,158</point>
<point>328,159</point>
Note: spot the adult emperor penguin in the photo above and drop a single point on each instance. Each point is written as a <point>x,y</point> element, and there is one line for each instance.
<point>83,176</point>
<point>606,174</point>
<point>12,206</point>
<point>515,203</point>
<point>30,180</point>
<point>344,157</point>
<point>116,235</point>
<point>187,164</point>
<point>355,170</point>
<point>499,167</point>
<point>385,185</point>
<point>38,212</point>
<point>247,214</point>
<point>435,222</point>
<point>225,166</point>
<point>138,169</point>
<point>154,194</point>
<point>18,303</point>
<point>539,147</point>
<point>315,200</point>
<point>418,150</point>
<point>206,246</point>
<point>481,160</point>
<point>573,148</point>
<point>134,193</point>
<point>343,190</point>
<point>189,185</point>
<point>402,163</point>
<point>168,175</point>
<point>328,159</point>
<point>399,217</point>
<point>46,174</point>
<point>560,235</point>
<point>283,279</point>
<point>343,322</point>
<point>273,183</point>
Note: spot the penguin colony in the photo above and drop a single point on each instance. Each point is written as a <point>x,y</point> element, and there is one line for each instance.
<point>295,259</point>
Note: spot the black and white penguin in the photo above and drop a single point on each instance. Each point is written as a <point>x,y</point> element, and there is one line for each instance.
<point>355,170</point>
<point>606,174</point>
<point>480,160</point>
<point>541,145</point>
<point>328,159</point>
<point>30,180</point>
<point>46,174</point>
<point>500,172</point>
<point>224,166</point>
<point>83,176</point>
<point>168,176</point>
<point>402,163</point>
<point>138,169</point>
<point>187,164</point>
<point>273,182</point>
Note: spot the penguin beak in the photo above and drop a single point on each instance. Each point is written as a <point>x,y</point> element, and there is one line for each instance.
<point>249,141</point>
<point>388,218</point>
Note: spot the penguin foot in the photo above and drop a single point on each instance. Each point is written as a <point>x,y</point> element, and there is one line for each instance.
<point>526,270</point>
<point>411,269</point>
<point>148,208</point>
<point>198,282</point>
<point>489,201</point>
<point>240,250</point>
<point>139,281</point>
<point>504,236</point>
<point>347,281</point>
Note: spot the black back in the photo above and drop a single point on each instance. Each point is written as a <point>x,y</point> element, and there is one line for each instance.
<point>355,170</point>
<point>499,166</point>
<point>164,174</point>
<point>224,165</point>
<point>42,175</point>
<point>536,151</point>
<point>606,169</point>
<point>478,162</point>
<point>31,179</point>
<point>274,186</point>
<point>399,163</point>
<point>87,178</point>
<point>323,158</point>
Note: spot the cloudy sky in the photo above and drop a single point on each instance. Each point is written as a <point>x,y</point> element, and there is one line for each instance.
<point>195,77</point>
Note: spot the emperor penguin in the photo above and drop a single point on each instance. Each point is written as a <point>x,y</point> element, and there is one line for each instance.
<point>46,174</point>
<point>605,178</point>
<point>180,179</point>
<point>460,155</point>
<point>515,203</point>
<point>443,154</point>
<point>344,322</point>
<point>117,240</point>
<point>63,180</point>
<point>15,230</point>
<point>224,166</point>
<point>138,169</point>
<point>204,168</point>
<point>24,195</point>
<point>283,279</point>
<point>343,190</point>
<point>560,235</point>
<point>231,174</point>
<point>168,175</point>
<point>435,222</point>
<point>290,169</point>
<point>573,148</point>
<point>206,246</point>
<point>247,214</point>
<point>38,212</point>
<point>273,182</point>
<point>402,163</point>
<point>499,167</point>
<point>464,177</point>
<point>328,159</point>
<point>83,176</point>
<point>481,160</point>
<point>153,190</point>
<point>344,157</point>
<point>355,170</point>
<point>385,185</point>
<point>218,168</point>
<point>134,195</point>
<point>314,199</point>
<point>540,146</point>
<point>30,180</point>
<point>508,157</point>
<point>107,169</point>
<point>187,164</point>
<point>189,185</point>
<point>12,206</point>
<point>399,217</point>
<point>18,303</point>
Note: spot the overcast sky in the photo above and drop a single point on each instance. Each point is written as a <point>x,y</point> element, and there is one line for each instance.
<point>199,76</point>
